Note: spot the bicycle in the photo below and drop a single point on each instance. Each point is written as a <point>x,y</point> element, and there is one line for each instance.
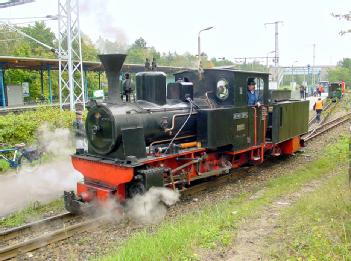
<point>19,156</point>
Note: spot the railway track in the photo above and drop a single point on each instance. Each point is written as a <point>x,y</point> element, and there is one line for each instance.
<point>318,130</point>
<point>14,246</point>
<point>23,239</point>
<point>19,247</point>
<point>327,109</point>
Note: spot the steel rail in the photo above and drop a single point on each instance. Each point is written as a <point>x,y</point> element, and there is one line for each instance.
<point>68,231</point>
<point>15,232</point>
<point>48,238</point>
<point>325,108</point>
<point>327,126</point>
<point>311,131</point>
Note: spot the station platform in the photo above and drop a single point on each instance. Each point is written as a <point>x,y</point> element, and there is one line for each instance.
<point>16,109</point>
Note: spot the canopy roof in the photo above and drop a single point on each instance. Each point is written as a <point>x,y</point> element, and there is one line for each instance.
<point>26,63</point>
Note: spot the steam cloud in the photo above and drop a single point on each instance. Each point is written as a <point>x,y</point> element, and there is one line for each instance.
<point>106,26</point>
<point>149,208</point>
<point>47,182</point>
<point>44,182</point>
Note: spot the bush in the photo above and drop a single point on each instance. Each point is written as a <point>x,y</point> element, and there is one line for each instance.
<point>4,165</point>
<point>18,128</point>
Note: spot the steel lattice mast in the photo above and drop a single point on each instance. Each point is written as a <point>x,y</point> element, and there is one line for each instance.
<point>71,81</point>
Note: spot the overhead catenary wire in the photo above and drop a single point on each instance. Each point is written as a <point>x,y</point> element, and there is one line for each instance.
<point>27,22</point>
<point>51,17</point>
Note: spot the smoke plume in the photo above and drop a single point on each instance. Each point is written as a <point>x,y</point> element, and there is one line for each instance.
<point>55,141</point>
<point>112,38</point>
<point>44,182</point>
<point>151,207</point>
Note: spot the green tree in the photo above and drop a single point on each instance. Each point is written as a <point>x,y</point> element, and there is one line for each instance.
<point>42,33</point>
<point>341,72</point>
<point>345,63</point>
<point>139,43</point>
<point>338,74</point>
<point>107,46</point>
<point>89,50</point>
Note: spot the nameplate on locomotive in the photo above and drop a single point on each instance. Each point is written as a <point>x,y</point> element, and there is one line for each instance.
<point>240,115</point>
<point>240,127</point>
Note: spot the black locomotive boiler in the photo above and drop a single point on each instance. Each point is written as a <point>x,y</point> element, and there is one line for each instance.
<point>197,127</point>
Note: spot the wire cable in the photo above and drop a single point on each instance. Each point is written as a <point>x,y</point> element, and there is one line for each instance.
<point>185,122</point>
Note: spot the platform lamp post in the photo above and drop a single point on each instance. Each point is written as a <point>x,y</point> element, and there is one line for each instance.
<point>292,71</point>
<point>267,57</point>
<point>199,46</point>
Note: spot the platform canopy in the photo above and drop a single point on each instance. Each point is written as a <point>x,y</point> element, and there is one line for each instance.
<point>26,63</point>
<point>44,64</point>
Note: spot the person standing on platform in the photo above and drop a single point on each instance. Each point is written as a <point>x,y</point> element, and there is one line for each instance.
<point>302,92</point>
<point>153,64</point>
<point>127,87</point>
<point>147,65</point>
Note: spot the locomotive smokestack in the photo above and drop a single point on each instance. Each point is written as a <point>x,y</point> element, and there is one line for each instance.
<point>112,64</point>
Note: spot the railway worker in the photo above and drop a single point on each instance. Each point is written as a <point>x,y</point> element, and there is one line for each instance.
<point>321,89</point>
<point>318,107</point>
<point>252,96</point>
<point>317,91</point>
<point>79,129</point>
<point>127,87</point>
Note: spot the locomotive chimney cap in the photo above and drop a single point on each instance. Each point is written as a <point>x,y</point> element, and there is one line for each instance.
<point>112,62</point>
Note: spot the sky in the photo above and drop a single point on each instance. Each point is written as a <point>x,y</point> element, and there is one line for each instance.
<point>239,26</point>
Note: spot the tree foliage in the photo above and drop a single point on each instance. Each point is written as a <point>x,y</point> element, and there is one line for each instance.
<point>13,44</point>
<point>341,72</point>
<point>139,43</point>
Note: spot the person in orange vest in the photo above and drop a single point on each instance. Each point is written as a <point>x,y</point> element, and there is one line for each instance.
<point>318,107</point>
<point>343,87</point>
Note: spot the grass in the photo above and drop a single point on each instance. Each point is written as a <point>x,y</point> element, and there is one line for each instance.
<point>34,211</point>
<point>215,225</point>
<point>318,226</point>
<point>4,165</point>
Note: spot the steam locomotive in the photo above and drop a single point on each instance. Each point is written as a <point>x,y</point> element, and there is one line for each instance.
<point>174,134</point>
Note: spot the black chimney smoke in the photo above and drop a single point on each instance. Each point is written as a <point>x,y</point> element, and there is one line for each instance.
<point>112,64</point>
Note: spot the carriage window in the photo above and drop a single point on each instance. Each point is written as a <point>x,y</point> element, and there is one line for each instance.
<point>222,91</point>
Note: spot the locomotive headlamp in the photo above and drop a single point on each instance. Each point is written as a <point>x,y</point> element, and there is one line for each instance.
<point>222,91</point>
